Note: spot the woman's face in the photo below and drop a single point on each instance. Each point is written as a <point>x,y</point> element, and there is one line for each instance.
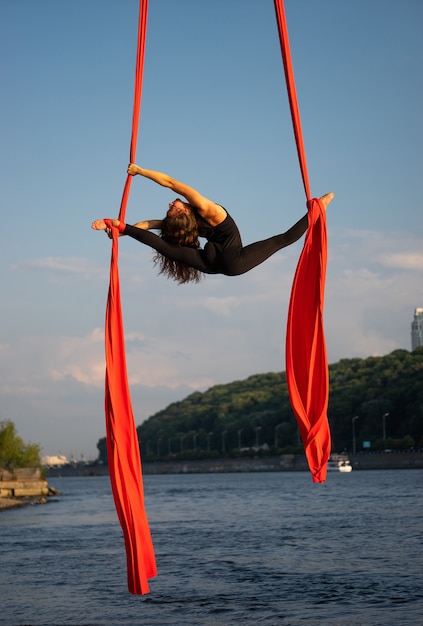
<point>176,208</point>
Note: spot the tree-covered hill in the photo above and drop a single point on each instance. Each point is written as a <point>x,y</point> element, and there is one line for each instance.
<point>384,393</point>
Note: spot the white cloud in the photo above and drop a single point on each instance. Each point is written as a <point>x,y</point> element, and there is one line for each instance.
<point>371,293</point>
<point>18,389</point>
<point>408,261</point>
<point>222,306</point>
<point>45,358</point>
<point>180,339</point>
<point>69,265</point>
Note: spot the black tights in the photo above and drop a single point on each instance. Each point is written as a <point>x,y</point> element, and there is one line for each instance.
<point>228,259</point>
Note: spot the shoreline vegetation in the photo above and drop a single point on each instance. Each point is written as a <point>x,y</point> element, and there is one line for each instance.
<point>22,478</point>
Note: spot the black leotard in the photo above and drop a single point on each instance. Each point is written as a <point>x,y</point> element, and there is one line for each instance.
<point>223,252</point>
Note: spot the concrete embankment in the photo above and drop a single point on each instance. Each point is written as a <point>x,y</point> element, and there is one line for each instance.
<point>23,486</point>
<point>281,463</point>
<point>284,463</point>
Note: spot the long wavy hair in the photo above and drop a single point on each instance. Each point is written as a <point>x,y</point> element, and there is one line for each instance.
<point>181,230</point>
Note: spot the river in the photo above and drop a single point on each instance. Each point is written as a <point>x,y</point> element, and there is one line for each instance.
<point>261,548</point>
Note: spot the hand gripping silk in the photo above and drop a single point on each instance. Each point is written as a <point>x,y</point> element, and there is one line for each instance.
<point>122,440</point>
<point>306,360</point>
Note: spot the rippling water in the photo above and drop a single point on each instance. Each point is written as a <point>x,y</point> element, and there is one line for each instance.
<point>267,548</point>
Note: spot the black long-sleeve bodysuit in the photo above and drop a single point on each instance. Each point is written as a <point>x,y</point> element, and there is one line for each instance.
<point>223,252</point>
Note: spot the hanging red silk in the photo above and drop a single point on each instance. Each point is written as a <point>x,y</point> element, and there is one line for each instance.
<point>306,360</point>
<point>122,440</point>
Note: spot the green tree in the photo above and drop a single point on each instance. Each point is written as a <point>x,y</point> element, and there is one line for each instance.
<point>102,450</point>
<point>385,393</point>
<point>14,452</point>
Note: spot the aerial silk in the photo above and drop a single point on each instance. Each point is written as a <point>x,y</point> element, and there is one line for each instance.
<point>306,360</point>
<point>122,441</point>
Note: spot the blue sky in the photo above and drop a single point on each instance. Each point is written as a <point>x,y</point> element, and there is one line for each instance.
<point>215,115</point>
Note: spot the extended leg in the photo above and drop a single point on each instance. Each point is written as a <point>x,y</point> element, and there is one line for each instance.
<point>240,261</point>
<point>190,256</point>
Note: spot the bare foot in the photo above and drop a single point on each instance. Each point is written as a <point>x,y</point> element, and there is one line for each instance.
<point>326,199</point>
<point>101,224</point>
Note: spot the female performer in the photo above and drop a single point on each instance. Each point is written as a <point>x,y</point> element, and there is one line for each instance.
<point>178,251</point>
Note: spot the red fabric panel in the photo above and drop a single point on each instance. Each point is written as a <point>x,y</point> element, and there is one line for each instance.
<point>122,440</point>
<point>306,360</point>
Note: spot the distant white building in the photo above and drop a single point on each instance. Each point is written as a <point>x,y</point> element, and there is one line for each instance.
<point>48,461</point>
<point>417,329</point>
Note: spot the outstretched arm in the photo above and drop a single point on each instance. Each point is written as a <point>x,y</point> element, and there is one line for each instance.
<point>149,224</point>
<point>145,225</point>
<point>210,211</point>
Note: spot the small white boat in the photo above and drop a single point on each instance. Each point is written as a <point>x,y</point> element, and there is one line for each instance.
<point>339,463</point>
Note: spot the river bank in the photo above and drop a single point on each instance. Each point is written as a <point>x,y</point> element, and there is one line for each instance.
<point>15,503</point>
<point>24,486</point>
<point>280,463</point>
<point>38,491</point>
<point>10,503</point>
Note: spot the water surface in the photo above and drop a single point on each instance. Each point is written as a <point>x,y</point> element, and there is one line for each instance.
<point>262,548</point>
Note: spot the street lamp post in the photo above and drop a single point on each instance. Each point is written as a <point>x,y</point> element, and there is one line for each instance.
<point>384,416</point>
<point>258,429</point>
<point>276,434</point>
<point>223,441</point>
<point>208,441</point>
<point>239,438</point>
<point>353,430</point>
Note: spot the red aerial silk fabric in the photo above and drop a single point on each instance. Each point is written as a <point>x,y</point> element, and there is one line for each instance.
<point>306,360</point>
<point>122,440</point>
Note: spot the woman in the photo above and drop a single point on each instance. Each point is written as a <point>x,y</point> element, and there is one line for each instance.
<point>178,251</point>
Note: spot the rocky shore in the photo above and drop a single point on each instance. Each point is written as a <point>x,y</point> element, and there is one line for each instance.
<point>23,486</point>
<point>10,503</point>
